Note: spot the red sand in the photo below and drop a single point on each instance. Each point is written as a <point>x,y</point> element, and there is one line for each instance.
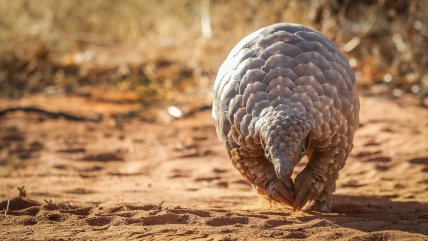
<point>157,181</point>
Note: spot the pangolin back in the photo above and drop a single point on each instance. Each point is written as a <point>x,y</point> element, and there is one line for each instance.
<point>284,68</point>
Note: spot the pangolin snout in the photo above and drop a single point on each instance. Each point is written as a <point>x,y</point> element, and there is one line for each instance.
<point>283,169</point>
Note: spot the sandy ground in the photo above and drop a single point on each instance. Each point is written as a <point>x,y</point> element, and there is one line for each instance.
<point>172,180</point>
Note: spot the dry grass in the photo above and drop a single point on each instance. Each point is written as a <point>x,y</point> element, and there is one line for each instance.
<point>386,41</point>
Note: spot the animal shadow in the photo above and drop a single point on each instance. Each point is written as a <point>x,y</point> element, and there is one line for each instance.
<point>371,213</point>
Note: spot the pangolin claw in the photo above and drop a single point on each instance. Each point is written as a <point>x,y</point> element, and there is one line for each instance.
<point>308,187</point>
<point>280,191</point>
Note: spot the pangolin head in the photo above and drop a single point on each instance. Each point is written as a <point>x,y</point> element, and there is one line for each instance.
<point>285,138</point>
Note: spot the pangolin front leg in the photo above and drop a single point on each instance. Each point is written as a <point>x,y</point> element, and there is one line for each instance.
<point>324,201</point>
<point>317,181</point>
<point>259,172</point>
<point>308,184</point>
<point>280,190</point>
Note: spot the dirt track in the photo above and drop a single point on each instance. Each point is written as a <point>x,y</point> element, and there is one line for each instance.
<point>157,181</point>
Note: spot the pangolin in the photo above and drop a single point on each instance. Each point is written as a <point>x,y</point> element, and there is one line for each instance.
<point>283,92</point>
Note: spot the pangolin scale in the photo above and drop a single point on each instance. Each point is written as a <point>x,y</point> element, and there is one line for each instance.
<point>286,91</point>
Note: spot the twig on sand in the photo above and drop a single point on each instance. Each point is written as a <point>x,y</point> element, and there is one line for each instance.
<point>22,192</point>
<point>51,114</point>
<point>160,206</point>
<point>198,109</point>
<point>7,208</point>
<point>179,113</point>
<point>49,203</point>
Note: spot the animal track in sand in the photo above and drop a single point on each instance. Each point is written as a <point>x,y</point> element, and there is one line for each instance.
<point>296,235</point>
<point>98,221</point>
<point>147,207</point>
<point>272,223</point>
<point>222,184</point>
<point>261,216</point>
<point>366,153</point>
<point>382,168</point>
<point>102,157</point>
<point>352,183</point>
<point>207,179</point>
<point>168,218</point>
<point>28,221</point>
<point>31,211</point>
<point>80,191</point>
<point>199,213</point>
<point>227,220</point>
<point>179,173</point>
<point>90,169</point>
<point>72,150</point>
<point>56,217</point>
<point>419,160</point>
<point>382,159</point>
<point>371,143</point>
<point>219,170</point>
<point>78,211</point>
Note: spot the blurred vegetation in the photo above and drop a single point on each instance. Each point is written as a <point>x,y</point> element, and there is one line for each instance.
<point>163,49</point>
